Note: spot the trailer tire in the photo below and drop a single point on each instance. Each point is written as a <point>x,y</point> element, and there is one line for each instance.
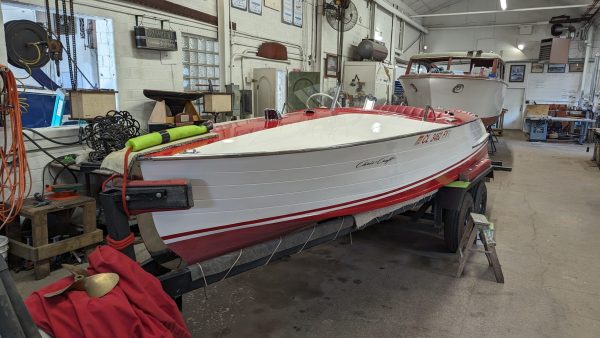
<point>480,199</point>
<point>455,222</point>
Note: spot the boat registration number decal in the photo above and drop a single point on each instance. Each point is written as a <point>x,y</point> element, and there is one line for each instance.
<point>433,137</point>
<point>379,161</point>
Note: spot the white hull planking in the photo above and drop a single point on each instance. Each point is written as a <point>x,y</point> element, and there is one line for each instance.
<point>239,189</point>
<point>482,97</point>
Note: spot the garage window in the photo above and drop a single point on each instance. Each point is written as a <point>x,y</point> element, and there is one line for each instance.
<point>95,62</point>
<point>200,64</point>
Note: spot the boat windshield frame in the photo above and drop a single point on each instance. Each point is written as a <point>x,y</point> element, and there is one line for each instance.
<point>430,65</point>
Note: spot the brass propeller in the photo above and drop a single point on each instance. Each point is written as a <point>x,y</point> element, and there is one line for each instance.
<point>95,286</point>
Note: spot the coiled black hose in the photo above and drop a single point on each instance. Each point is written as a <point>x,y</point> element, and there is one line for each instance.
<point>109,133</point>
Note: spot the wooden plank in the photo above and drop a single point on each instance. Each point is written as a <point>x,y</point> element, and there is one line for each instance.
<point>177,9</point>
<point>22,250</point>
<point>89,216</point>
<point>30,211</point>
<point>39,237</point>
<point>69,244</point>
<point>537,110</point>
<point>479,219</point>
<point>492,256</point>
<point>466,252</point>
<point>43,252</point>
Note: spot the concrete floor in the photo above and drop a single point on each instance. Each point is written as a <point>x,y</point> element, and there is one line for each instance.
<point>393,281</point>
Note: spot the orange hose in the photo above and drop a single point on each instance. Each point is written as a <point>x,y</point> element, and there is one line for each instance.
<point>14,171</point>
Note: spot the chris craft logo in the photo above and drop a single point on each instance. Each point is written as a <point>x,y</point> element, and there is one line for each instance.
<point>380,161</point>
<point>434,137</point>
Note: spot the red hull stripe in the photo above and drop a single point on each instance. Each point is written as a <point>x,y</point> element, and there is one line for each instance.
<point>443,182</point>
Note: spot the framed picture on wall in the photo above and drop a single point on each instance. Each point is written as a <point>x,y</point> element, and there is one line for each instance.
<point>239,4</point>
<point>287,11</point>
<point>255,7</point>
<point>537,67</point>
<point>575,67</point>
<point>331,65</point>
<point>517,73</point>
<point>556,68</point>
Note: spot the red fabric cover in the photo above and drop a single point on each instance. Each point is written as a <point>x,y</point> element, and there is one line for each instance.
<point>136,307</point>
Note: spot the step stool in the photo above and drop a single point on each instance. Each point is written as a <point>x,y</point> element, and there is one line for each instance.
<point>479,225</point>
<point>40,251</point>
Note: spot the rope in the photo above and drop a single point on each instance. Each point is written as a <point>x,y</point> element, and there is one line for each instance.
<point>205,282</point>
<point>14,170</point>
<point>307,240</point>
<point>340,229</point>
<point>234,263</point>
<point>277,247</point>
<point>120,244</point>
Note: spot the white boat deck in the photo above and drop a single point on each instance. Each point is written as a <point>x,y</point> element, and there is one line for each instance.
<point>327,132</point>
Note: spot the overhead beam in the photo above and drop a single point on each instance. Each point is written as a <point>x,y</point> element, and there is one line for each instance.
<point>401,15</point>
<point>177,9</point>
<point>501,11</point>
<point>516,24</point>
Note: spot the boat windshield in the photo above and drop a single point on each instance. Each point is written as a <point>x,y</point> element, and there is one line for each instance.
<point>457,66</point>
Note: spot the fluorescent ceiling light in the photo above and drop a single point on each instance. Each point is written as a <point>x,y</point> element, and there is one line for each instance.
<point>503,4</point>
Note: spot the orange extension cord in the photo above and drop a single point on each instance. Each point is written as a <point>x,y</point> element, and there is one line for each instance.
<point>14,171</point>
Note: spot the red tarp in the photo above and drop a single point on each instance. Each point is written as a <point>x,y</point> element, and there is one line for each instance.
<point>136,307</point>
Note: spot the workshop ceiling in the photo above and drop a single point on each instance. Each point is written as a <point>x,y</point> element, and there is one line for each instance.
<point>429,6</point>
<point>425,7</point>
<point>433,6</point>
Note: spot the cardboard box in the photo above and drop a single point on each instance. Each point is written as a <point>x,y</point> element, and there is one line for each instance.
<point>217,103</point>
<point>88,104</point>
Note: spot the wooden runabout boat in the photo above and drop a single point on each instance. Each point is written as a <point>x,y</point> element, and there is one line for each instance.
<point>260,179</point>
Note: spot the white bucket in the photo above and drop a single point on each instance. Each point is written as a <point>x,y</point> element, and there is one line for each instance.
<point>4,246</point>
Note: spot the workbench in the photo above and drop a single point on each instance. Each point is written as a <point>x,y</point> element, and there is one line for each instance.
<point>536,122</point>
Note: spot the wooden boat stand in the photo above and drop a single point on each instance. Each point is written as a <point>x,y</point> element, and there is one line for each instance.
<point>479,225</point>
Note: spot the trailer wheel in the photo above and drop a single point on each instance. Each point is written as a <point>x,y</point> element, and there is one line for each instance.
<point>481,199</point>
<point>455,222</point>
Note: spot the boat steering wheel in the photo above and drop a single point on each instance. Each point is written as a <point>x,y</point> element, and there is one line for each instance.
<point>320,94</point>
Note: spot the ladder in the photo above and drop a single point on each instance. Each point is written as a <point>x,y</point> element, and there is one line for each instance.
<point>479,225</point>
